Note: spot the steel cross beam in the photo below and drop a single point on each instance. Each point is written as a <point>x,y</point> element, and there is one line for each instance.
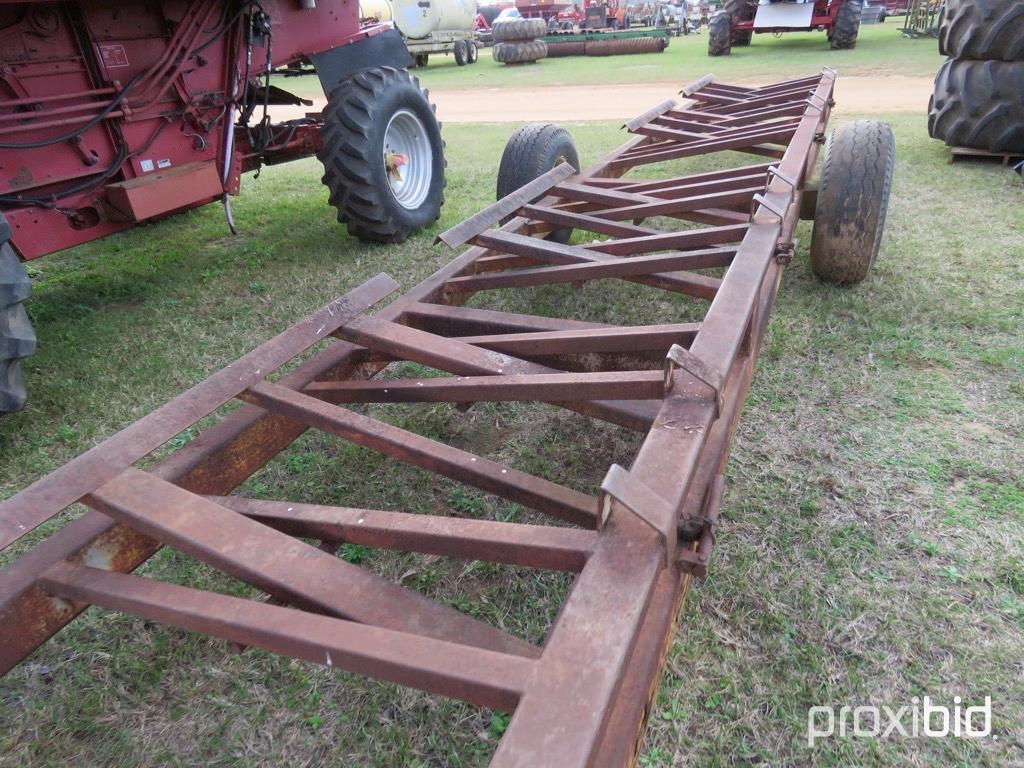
<point>581,699</point>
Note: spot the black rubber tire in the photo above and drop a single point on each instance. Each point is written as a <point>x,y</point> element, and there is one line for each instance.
<point>17,340</point>
<point>510,30</point>
<point>720,34</point>
<point>420,60</point>
<point>739,11</point>
<point>988,30</point>
<point>844,33</point>
<point>853,198</point>
<point>461,55</point>
<point>520,51</point>
<point>356,116</point>
<point>979,104</point>
<point>532,151</point>
<point>472,52</point>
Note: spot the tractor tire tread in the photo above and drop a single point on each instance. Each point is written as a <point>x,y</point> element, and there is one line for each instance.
<point>988,30</point>
<point>349,157</point>
<point>511,30</point>
<point>979,104</point>
<point>720,34</point>
<point>17,339</point>
<point>847,26</point>
<point>520,51</point>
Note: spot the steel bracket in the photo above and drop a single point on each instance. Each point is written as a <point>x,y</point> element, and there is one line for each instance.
<point>762,200</point>
<point>775,173</point>
<point>695,561</point>
<point>681,357</point>
<point>784,253</point>
<point>643,502</point>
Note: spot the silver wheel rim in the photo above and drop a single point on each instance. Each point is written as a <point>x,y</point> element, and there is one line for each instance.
<point>408,159</point>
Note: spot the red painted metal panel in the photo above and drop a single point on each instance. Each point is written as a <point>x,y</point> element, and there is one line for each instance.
<point>164,191</point>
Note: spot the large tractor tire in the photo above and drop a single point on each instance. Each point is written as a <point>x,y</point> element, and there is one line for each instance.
<point>383,155</point>
<point>520,51</point>
<point>720,34</point>
<point>741,10</point>
<point>844,33</point>
<point>990,30</point>
<point>532,151</point>
<point>853,198</point>
<point>979,104</point>
<point>17,341</point>
<point>518,29</point>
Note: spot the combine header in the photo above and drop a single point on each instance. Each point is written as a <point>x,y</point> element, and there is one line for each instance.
<point>634,543</point>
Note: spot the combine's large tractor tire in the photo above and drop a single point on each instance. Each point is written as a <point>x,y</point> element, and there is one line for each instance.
<point>853,198</point>
<point>520,51</point>
<point>741,10</point>
<point>518,29</point>
<point>383,155</point>
<point>990,30</point>
<point>460,53</point>
<point>720,34</point>
<point>532,151</point>
<point>979,104</point>
<point>844,33</point>
<point>17,340</point>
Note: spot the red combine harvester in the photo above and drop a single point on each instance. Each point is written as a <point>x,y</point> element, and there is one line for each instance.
<point>740,19</point>
<point>115,113</point>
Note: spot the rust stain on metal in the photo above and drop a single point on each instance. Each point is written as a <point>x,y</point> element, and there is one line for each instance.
<point>681,385</point>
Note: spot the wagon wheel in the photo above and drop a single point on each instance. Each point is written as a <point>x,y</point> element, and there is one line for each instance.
<point>532,151</point>
<point>852,202</point>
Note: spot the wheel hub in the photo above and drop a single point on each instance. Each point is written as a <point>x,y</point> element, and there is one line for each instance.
<point>408,159</point>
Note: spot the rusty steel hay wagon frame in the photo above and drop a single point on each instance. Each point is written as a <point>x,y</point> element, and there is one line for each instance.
<point>580,699</point>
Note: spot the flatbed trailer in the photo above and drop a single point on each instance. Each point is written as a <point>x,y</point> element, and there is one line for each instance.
<point>633,544</point>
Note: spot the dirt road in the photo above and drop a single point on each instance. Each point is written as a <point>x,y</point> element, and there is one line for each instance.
<point>854,95</point>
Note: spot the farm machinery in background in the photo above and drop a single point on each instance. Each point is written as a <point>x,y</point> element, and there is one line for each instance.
<point>739,20</point>
<point>117,113</point>
<point>604,27</point>
<point>439,27</point>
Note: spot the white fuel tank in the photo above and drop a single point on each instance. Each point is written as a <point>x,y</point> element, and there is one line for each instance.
<point>418,18</point>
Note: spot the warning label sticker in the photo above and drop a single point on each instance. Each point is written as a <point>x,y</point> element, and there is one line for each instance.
<point>113,55</point>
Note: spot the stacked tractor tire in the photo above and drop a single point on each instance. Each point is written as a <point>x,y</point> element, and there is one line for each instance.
<point>516,40</point>
<point>979,92</point>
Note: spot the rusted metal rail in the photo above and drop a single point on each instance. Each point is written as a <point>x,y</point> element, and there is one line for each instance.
<point>581,699</point>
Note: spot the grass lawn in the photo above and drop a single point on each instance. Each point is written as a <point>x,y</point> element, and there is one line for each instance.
<point>881,49</point>
<point>871,546</point>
